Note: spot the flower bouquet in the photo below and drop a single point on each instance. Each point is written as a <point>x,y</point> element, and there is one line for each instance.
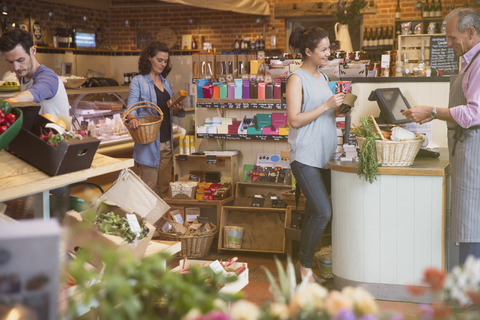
<point>346,11</point>
<point>457,293</point>
<point>307,301</point>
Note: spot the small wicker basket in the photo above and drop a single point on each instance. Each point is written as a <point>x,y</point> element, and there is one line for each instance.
<point>149,126</point>
<point>395,153</point>
<point>194,246</point>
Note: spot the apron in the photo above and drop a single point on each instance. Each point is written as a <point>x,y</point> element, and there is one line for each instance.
<point>464,147</point>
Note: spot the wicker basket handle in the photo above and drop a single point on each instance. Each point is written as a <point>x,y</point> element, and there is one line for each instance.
<point>377,128</point>
<point>142,104</point>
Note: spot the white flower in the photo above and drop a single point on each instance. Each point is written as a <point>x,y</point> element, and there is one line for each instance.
<point>279,310</point>
<point>244,310</point>
<point>364,302</point>
<point>192,314</point>
<point>310,297</point>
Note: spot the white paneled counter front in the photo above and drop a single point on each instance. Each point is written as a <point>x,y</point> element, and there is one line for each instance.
<point>385,234</point>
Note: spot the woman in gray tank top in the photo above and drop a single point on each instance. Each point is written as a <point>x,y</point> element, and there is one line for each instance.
<point>311,112</point>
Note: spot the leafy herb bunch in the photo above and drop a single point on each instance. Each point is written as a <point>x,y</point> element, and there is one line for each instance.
<point>346,11</point>
<point>367,164</point>
<point>109,223</point>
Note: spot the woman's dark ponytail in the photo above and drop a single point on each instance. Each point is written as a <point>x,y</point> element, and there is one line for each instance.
<point>303,38</point>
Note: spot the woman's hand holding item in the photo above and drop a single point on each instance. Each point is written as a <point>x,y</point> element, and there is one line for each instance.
<point>177,108</point>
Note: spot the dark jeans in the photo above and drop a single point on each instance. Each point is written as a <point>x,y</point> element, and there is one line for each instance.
<point>315,185</point>
<point>467,249</point>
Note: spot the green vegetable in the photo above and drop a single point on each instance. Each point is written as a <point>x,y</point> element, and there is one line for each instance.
<point>109,223</point>
<point>367,165</point>
<point>5,106</point>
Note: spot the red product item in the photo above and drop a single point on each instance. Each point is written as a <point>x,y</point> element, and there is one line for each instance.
<point>341,124</point>
<point>207,196</point>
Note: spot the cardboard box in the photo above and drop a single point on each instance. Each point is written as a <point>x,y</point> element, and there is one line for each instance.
<point>243,67</point>
<point>221,67</point>
<point>82,233</point>
<point>354,69</point>
<point>70,155</point>
<point>232,287</point>
<point>196,69</point>
<point>232,65</point>
<point>210,70</point>
<point>177,98</point>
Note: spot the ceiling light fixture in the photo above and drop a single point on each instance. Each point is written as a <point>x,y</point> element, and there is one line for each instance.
<point>5,10</point>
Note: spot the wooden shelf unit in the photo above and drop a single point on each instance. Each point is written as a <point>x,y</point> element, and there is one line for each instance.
<point>268,238</point>
<point>246,190</point>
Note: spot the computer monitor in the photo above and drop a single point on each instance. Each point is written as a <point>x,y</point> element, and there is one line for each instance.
<point>392,103</point>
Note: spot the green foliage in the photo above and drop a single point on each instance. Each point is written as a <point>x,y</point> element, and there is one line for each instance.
<point>110,223</point>
<point>367,164</point>
<point>146,289</point>
<point>346,11</point>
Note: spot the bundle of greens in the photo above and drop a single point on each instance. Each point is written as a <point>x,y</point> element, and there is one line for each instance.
<point>110,223</point>
<point>367,165</point>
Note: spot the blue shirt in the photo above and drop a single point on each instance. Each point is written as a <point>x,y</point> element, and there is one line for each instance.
<point>142,88</point>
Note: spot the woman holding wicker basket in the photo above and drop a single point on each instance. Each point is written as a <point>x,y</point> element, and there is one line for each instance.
<point>154,159</point>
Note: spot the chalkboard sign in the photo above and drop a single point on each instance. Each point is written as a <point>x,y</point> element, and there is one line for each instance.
<point>442,57</point>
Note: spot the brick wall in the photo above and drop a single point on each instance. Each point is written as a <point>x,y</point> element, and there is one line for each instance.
<point>20,11</point>
<point>217,27</point>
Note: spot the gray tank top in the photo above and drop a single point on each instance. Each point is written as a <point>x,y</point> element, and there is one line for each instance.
<point>314,144</point>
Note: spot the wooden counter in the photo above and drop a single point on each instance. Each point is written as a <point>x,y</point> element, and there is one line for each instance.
<point>18,178</point>
<point>385,234</point>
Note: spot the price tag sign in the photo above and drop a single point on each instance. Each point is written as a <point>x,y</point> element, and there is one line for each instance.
<point>217,267</point>
<point>133,223</point>
<point>211,159</point>
<point>183,157</point>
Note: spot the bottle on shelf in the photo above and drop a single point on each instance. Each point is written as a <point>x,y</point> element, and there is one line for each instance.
<point>253,44</point>
<point>421,61</point>
<point>242,44</point>
<point>273,39</point>
<point>370,39</point>
<point>381,38</point>
<point>236,44</point>
<point>438,12</point>
<point>375,39</point>
<point>194,44</point>
<point>365,39</point>
<point>390,38</point>
<point>406,67</point>
<point>426,10</point>
<point>398,12</point>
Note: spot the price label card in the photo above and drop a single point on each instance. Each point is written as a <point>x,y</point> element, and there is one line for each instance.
<point>166,227</point>
<point>217,267</point>
<point>133,223</point>
<point>385,61</point>
<point>211,159</point>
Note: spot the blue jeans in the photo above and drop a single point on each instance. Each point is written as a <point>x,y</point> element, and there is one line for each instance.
<point>315,184</point>
<point>467,248</point>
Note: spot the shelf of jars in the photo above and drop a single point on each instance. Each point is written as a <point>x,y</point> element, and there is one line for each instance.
<point>249,137</point>
<point>270,104</point>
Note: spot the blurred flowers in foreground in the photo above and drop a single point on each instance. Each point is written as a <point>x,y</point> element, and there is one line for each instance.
<point>307,301</point>
<point>457,294</point>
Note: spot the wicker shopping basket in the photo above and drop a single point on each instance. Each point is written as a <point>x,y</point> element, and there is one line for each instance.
<point>149,125</point>
<point>194,246</point>
<point>395,153</point>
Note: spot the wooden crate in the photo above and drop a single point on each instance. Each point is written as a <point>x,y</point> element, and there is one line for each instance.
<point>246,190</point>
<point>264,228</point>
<point>227,165</point>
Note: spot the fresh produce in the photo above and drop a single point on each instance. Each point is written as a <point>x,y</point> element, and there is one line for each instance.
<point>9,84</point>
<point>55,138</point>
<point>6,117</point>
<point>367,165</point>
<point>110,223</point>
<point>50,117</point>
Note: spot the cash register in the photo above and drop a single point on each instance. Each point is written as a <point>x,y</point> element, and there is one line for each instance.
<point>392,104</point>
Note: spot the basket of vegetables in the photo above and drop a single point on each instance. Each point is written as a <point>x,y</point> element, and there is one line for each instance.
<point>377,149</point>
<point>11,120</point>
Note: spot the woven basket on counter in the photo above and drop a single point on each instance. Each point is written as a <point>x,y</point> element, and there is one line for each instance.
<point>149,126</point>
<point>194,246</point>
<point>395,153</point>
<point>289,197</point>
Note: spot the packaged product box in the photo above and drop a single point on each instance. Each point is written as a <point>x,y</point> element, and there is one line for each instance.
<point>270,130</point>
<point>210,71</point>
<point>71,155</point>
<point>221,65</point>
<point>332,69</point>
<point>263,120</point>
<point>243,67</point>
<point>277,71</point>
<point>283,131</point>
<point>177,98</point>
<point>202,63</point>
<point>279,119</point>
<point>196,65</point>
<point>82,232</point>
<point>354,69</point>
<point>232,63</point>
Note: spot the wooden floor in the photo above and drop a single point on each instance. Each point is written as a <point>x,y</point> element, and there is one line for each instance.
<point>257,291</point>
